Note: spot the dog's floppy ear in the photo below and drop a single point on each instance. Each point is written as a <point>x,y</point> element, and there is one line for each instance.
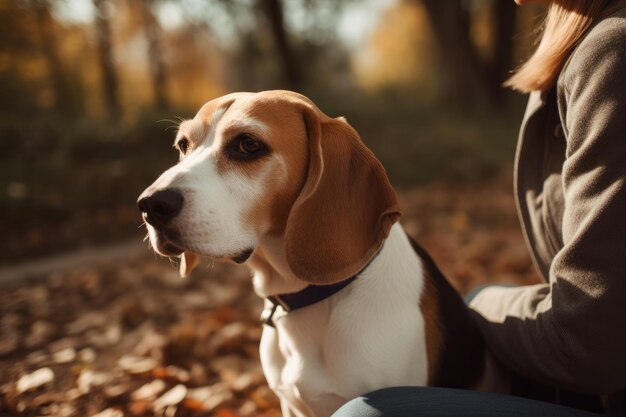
<point>345,209</point>
<point>188,262</point>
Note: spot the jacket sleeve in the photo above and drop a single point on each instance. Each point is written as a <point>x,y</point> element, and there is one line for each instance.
<point>572,332</point>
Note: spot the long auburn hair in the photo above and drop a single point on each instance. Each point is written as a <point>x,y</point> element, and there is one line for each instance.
<point>566,23</point>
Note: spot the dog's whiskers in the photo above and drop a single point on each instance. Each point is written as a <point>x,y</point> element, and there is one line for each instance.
<point>149,243</point>
<point>175,123</point>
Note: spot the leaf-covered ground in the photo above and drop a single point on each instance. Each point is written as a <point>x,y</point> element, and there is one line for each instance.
<point>135,340</point>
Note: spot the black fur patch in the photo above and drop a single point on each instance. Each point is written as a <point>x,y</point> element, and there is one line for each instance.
<point>461,362</point>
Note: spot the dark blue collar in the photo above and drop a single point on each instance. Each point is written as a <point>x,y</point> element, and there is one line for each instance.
<point>309,295</point>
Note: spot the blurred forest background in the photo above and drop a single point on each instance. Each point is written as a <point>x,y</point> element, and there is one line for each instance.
<point>90,89</point>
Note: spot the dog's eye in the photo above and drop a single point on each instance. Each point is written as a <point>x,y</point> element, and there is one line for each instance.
<point>247,144</point>
<point>245,147</point>
<point>182,145</point>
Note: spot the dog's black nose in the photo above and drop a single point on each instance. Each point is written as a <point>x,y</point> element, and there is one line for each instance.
<point>161,206</point>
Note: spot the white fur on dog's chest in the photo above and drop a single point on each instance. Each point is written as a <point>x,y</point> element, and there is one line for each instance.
<point>368,336</point>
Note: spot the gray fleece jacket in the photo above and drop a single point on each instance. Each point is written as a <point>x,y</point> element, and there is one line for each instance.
<point>570,185</point>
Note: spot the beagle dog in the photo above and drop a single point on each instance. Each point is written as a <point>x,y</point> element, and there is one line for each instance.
<point>352,304</point>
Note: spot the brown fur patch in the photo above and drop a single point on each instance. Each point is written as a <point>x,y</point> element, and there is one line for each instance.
<point>432,331</point>
<point>282,187</point>
<point>346,207</point>
<point>284,134</point>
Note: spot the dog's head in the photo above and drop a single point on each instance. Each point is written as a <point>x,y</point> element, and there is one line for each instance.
<point>255,165</point>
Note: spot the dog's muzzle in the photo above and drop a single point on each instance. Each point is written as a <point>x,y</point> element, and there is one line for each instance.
<point>160,207</point>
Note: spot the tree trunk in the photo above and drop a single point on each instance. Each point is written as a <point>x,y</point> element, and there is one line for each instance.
<point>464,81</point>
<point>273,10</point>
<point>158,71</point>
<point>63,98</point>
<point>110,80</point>
<point>503,15</point>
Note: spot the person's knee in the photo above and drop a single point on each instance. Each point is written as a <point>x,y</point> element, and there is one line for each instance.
<point>386,402</point>
<point>357,407</point>
<point>444,402</point>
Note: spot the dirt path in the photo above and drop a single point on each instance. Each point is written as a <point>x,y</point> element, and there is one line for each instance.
<point>40,268</point>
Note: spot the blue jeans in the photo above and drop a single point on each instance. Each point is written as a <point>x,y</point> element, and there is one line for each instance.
<point>446,402</point>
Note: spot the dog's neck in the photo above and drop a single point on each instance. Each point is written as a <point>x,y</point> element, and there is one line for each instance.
<point>272,274</point>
